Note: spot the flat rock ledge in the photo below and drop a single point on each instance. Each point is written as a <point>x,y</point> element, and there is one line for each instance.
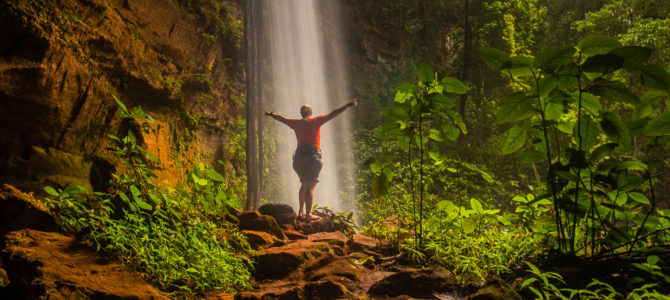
<point>54,266</point>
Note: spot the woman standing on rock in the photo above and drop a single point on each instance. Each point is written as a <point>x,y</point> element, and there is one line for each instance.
<point>307,160</point>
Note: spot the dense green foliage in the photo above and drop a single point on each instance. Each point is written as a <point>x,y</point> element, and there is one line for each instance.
<point>600,189</point>
<point>178,237</point>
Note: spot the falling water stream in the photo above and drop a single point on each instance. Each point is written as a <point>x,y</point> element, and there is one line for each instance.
<point>307,67</point>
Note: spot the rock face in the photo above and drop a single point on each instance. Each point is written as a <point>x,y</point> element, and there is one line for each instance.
<point>20,210</point>
<point>61,61</point>
<point>52,265</point>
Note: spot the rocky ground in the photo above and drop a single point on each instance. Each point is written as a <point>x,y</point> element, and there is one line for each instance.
<point>294,260</point>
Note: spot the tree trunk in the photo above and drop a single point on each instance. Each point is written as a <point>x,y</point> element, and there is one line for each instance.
<point>251,115</point>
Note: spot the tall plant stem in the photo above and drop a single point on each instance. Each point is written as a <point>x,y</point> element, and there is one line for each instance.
<point>420,171</point>
<point>411,171</point>
<point>550,171</point>
<point>579,170</point>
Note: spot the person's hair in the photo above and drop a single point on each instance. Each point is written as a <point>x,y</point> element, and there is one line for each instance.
<point>305,110</point>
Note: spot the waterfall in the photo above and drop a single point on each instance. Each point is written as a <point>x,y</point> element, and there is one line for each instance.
<point>306,66</point>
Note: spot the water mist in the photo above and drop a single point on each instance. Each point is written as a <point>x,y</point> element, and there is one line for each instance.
<point>307,68</point>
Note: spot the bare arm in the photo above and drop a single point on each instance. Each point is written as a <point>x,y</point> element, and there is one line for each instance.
<point>277,117</point>
<point>339,110</point>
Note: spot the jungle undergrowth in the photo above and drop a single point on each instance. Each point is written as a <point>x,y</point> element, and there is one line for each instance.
<point>178,237</point>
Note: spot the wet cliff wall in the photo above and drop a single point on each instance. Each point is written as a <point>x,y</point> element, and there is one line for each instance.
<point>62,60</point>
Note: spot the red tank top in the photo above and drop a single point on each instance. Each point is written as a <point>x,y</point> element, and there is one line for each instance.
<point>308,130</point>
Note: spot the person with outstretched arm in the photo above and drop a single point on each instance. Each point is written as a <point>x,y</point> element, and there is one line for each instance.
<point>307,160</point>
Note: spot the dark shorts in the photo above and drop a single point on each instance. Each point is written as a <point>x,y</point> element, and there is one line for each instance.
<point>307,163</point>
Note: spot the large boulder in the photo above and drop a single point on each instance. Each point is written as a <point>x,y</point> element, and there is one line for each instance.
<point>19,210</point>
<point>54,266</point>
<point>417,283</point>
<point>283,213</point>
<point>278,262</point>
<point>252,220</point>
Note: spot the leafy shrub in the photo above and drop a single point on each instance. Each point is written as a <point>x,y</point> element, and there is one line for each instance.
<point>176,236</point>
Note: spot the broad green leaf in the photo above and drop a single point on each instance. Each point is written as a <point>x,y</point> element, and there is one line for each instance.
<point>435,135</point>
<point>602,151</point>
<point>425,73</point>
<point>458,120</point>
<point>613,90</point>
<point>516,138</point>
<point>152,157</point>
<point>515,107</point>
<point>141,204</point>
<point>567,75</point>
<point>521,66</point>
<point>495,58</point>
<point>121,105</point>
<point>155,199</point>
<point>74,190</point>
<point>134,190</point>
<point>421,141</point>
<point>602,64</point>
<point>468,225</point>
<point>647,103</point>
<point>596,44</point>
<point>656,77</point>
<point>633,56</point>
<point>453,85</point>
<point>375,168</point>
<point>51,191</point>
<point>638,197</point>
<point>476,206</point>
<point>436,156</point>
<point>566,127</point>
<point>553,111</point>
<point>660,125</point>
<point>442,99</point>
<point>551,58</point>
<point>444,205</point>
<point>652,259</point>
<point>566,175</point>
<point>546,85</point>
<point>214,175</point>
<point>632,165</point>
<point>451,132</point>
<point>532,156</point>
<point>588,132</point>
<point>636,127</point>
<point>403,93</point>
<point>403,142</point>
<point>124,197</point>
<point>615,128</point>
<point>589,101</point>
